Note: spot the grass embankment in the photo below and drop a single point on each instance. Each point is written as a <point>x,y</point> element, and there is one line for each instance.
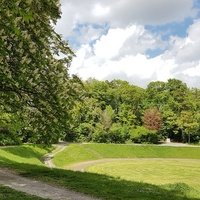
<point>10,194</point>
<point>75,153</point>
<point>30,154</point>
<point>98,185</point>
<point>16,156</point>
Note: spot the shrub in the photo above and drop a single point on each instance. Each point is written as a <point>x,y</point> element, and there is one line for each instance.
<point>118,133</point>
<point>100,135</point>
<point>84,132</point>
<point>7,137</point>
<point>143,135</point>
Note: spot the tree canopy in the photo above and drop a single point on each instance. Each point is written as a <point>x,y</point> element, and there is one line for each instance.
<point>34,82</point>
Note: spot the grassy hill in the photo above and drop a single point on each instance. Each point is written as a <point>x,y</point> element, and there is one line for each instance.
<point>75,153</point>
<point>27,161</point>
<point>29,154</point>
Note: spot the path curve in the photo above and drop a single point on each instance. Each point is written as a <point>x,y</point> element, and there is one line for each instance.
<point>38,188</point>
<point>82,166</point>
<point>48,158</point>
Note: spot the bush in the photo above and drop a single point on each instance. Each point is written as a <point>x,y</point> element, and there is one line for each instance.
<point>84,132</point>
<point>143,135</point>
<point>118,133</point>
<point>100,135</point>
<point>7,137</point>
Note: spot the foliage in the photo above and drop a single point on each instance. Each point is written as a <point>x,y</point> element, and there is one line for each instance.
<point>100,135</point>
<point>152,119</point>
<point>8,138</point>
<point>118,133</point>
<point>9,125</point>
<point>110,108</point>
<point>144,135</point>
<point>32,77</point>
<point>188,123</point>
<point>85,131</point>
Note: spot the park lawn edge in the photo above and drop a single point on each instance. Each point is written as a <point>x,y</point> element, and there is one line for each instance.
<point>76,152</point>
<point>102,186</point>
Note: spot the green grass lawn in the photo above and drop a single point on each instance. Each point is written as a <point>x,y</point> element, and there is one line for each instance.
<point>157,172</point>
<point>26,160</point>
<point>7,193</point>
<point>75,153</point>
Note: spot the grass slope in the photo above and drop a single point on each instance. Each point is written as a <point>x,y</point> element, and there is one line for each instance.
<point>30,154</point>
<point>16,155</point>
<point>75,153</point>
<point>98,185</point>
<point>10,194</point>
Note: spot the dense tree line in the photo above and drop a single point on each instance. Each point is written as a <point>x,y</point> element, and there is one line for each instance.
<point>117,111</point>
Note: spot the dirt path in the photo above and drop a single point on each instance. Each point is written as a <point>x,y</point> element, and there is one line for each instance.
<point>38,188</point>
<point>48,157</point>
<point>82,167</point>
<point>176,144</point>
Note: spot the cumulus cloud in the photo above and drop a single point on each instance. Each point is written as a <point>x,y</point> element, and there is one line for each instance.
<point>103,59</point>
<point>123,12</point>
<point>186,50</point>
<point>151,12</point>
<point>112,41</point>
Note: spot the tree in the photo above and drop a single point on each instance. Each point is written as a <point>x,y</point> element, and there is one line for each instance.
<point>177,94</point>
<point>188,123</point>
<point>152,119</point>
<point>156,94</point>
<point>31,75</point>
<point>107,117</point>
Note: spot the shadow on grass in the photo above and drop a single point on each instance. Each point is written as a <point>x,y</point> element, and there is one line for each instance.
<point>7,193</point>
<point>102,186</point>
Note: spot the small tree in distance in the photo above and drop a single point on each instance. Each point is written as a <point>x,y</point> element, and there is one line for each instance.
<point>152,119</point>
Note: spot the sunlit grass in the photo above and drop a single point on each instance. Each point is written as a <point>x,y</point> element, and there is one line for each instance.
<point>75,153</point>
<point>30,154</point>
<point>153,171</point>
<point>27,161</point>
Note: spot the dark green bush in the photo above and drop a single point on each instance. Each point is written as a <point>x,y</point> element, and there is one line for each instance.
<point>143,135</point>
<point>118,133</point>
<point>100,135</point>
<point>7,137</point>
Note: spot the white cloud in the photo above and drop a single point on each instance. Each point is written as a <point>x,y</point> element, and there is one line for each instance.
<point>114,42</point>
<point>186,50</point>
<point>100,11</point>
<point>151,11</point>
<point>105,60</point>
<point>109,45</point>
<point>122,13</point>
<point>194,71</point>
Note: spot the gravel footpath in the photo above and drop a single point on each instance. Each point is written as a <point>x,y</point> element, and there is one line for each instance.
<point>38,188</point>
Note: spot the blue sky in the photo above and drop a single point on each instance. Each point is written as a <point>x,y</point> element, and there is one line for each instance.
<point>134,40</point>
